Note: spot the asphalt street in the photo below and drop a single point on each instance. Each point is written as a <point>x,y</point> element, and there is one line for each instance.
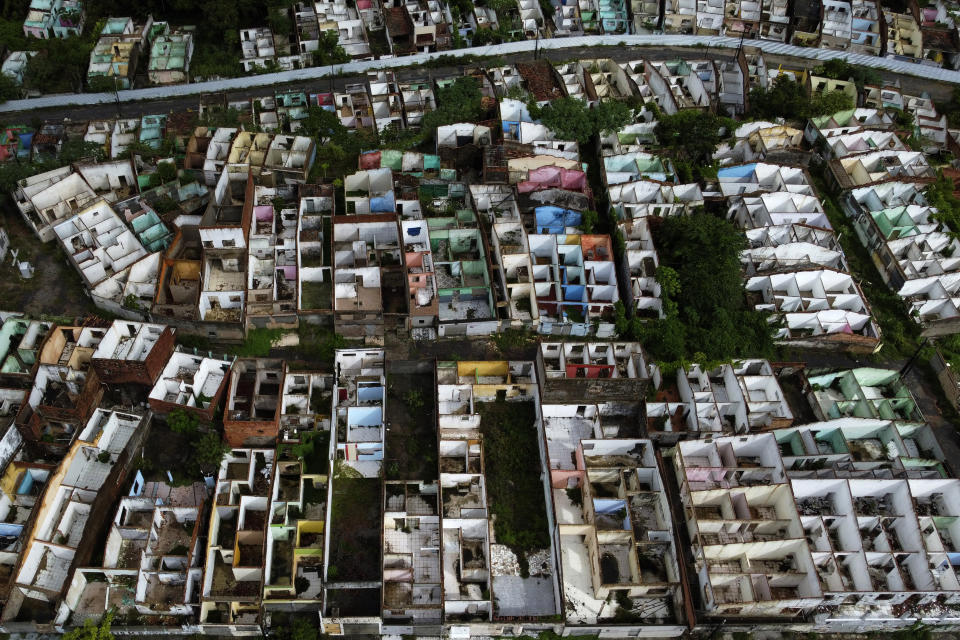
<point>909,84</point>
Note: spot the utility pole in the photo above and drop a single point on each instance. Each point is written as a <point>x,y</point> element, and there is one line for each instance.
<point>913,358</point>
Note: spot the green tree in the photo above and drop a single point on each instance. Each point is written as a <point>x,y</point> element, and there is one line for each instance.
<point>706,315</point>
<point>322,124</point>
<point>329,50</point>
<point>589,220</point>
<point>77,149</point>
<point>572,119</point>
<point>208,451</point>
<point>300,628</point>
<point>839,69</point>
<point>693,136</point>
<point>830,103</point>
<point>786,98</point>
<point>183,422</point>
<point>92,631</point>
<point>103,84</point>
<point>60,67</point>
<point>460,101</point>
<point>9,89</point>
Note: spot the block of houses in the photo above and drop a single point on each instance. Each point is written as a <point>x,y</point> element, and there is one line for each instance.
<point>16,143</point>
<point>881,166</point>
<point>133,352</point>
<point>617,548</point>
<point>252,414</point>
<point>904,38</point>
<point>257,48</point>
<point>846,122</point>
<point>190,383</point>
<point>15,65</point>
<point>914,253</point>
<point>819,306</point>
<point>464,392</point>
<point>865,34</point>
<point>339,16</point>
<point>75,509</point>
<point>805,22</point>
<point>742,18</point>
<point>23,485</point>
<point>48,198</point>
<point>411,554</point>
<point>293,566</point>
<point>116,54</point>
<point>272,261</point>
<point>65,391</point>
<point>170,55</point>
<point>152,560</point>
<point>837,24</point>
<point>233,572</point>
<point>359,410</point>
<point>871,538</point>
<point>646,17</point>
<point>768,141</point>
<point>710,17</point>
<point>680,16</point>
<point>313,244</point>
<point>820,85</point>
<point>224,232</point>
<point>368,275</point>
<point>98,243</point>
<point>417,26</point>
<point>760,177</point>
<point>54,18</point>
<point>774,20</point>
<point>742,397</point>
<point>737,498</point>
<point>865,392</point>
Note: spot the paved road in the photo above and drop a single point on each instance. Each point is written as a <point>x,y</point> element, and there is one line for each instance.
<point>913,77</point>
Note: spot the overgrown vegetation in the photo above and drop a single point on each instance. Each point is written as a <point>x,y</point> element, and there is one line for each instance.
<point>690,137</point>
<point>319,343</point>
<point>460,101</point>
<point>207,452</point>
<point>788,99</point>
<point>257,344</point>
<point>940,195</point>
<point>92,631</point>
<point>840,69</point>
<point>707,317</point>
<point>514,489</point>
<point>572,119</point>
<point>180,421</point>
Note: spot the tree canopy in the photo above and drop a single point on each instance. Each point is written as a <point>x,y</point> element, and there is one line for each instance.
<point>693,135</point>
<point>9,89</point>
<point>706,311</point>
<point>573,119</point>
<point>460,101</point>
<point>839,69</point>
<point>786,98</point>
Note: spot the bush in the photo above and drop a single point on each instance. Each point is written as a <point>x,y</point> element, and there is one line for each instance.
<point>182,422</point>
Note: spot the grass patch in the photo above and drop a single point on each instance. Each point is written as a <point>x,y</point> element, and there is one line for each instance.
<point>257,345</point>
<point>515,491</point>
<point>355,529</point>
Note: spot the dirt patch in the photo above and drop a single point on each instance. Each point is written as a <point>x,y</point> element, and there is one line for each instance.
<point>55,289</point>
